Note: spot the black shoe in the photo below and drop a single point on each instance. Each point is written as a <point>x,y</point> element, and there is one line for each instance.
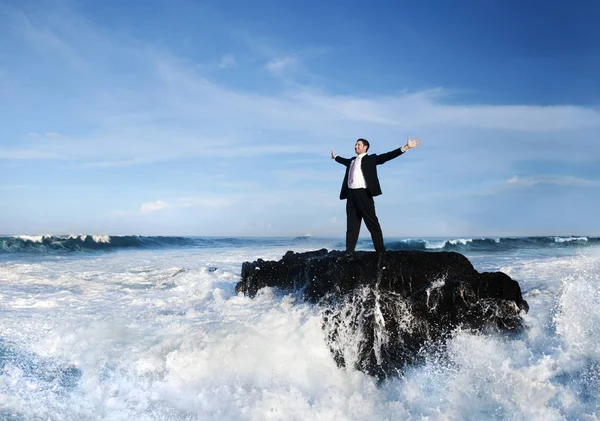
<point>381,259</point>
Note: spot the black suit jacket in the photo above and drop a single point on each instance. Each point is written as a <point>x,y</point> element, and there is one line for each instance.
<point>369,169</point>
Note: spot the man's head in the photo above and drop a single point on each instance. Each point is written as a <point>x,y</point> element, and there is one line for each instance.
<point>361,146</point>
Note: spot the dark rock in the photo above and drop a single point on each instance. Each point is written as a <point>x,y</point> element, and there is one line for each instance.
<point>381,312</point>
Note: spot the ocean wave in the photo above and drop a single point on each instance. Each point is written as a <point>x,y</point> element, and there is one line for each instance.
<point>84,242</point>
<point>490,244</point>
<point>570,239</point>
<point>92,243</point>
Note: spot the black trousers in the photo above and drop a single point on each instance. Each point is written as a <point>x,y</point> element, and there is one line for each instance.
<point>360,205</point>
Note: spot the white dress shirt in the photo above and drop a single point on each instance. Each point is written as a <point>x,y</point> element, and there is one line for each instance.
<point>356,175</point>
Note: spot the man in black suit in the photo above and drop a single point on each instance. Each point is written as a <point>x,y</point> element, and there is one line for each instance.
<point>360,186</point>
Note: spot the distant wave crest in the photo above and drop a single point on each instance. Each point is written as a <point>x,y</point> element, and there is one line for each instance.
<point>97,243</point>
<point>73,243</point>
<point>490,244</point>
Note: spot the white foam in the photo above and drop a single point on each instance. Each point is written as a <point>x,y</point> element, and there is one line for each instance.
<point>437,284</point>
<point>33,238</point>
<point>578,319</point>
<point>491,378</point>
<point>569,239</point>
<point>431,244</point>
<point>463,241</point>
<point>157,335</point>
<point>82,237</point>
<point>95,238</point>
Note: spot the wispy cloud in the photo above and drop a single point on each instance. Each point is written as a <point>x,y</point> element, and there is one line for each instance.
<point>36,152</point>
<point>46,36</point>
<point>208,201</point>
<point>119,102</point>
<point>49,135</point>
<point>531,181</point>
<point>53,135</point>
<point>204,201</point>
<point>154,206</point>
<point>524,183</point>
<point>174,111</point>
<point>112,164</point>
<point>16,187</point>
<point>281,65</point>
<point>228,61</point>
<point>307,173</point>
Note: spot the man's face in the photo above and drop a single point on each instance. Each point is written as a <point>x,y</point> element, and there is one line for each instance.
<point>359,148</point>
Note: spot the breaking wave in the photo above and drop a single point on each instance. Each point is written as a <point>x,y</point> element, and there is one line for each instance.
<point>491,244</point>
<point>91,243</point>
<point>74,243</point>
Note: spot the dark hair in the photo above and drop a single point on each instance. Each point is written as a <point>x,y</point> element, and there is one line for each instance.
<point>364,142</point>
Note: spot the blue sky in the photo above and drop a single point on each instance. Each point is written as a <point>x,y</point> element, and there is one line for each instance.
<point>218,117</point>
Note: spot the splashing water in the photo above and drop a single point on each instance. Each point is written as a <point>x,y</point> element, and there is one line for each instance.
<point>159,334</point>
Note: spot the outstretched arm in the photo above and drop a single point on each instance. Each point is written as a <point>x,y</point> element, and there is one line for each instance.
<point>410,143</point>
<point>339,159</point>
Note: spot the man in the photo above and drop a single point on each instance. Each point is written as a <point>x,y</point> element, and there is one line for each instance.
<point>360,186</point>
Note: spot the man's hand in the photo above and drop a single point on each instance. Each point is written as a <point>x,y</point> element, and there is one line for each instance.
<point>411,143</point>
<point>333,155</point>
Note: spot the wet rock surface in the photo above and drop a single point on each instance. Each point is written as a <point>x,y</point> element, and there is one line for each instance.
<point>382,312</point>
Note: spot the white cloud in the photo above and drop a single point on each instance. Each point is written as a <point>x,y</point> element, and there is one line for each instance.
<point>154,206</point>
<point>176,112</point>
<point>201,118</point>
<point>281,65</point>
<point>519,182</point>
<point>33,153</point>
<point>531,181</point>
<point>308,173</point>
<point>173,110</point>
<point>112,164</point>
<point>53,135</point>
<point>49,35</point>
<point>227,61</point>
<point>208,201</point>
<point>16,187</point>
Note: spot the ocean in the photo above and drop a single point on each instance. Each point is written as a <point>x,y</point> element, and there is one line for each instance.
<point>150,328</point>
